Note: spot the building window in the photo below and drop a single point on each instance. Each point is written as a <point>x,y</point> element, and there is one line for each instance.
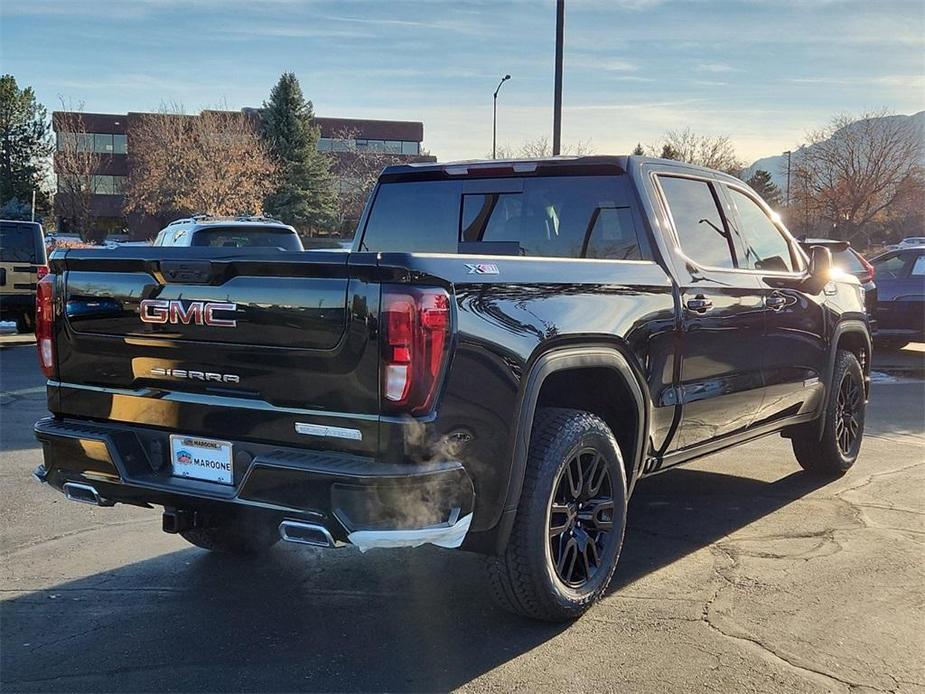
<point>104,143</point>
<point>331,144</point>
<point>98,185</point>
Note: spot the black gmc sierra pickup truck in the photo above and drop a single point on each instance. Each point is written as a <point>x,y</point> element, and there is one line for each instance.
<point>508,349</point>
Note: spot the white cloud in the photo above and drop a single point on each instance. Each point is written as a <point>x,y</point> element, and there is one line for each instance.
<point>716,68</point>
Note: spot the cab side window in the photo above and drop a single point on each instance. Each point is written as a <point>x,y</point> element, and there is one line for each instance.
<point>762,245</point>
<point>698,222</point>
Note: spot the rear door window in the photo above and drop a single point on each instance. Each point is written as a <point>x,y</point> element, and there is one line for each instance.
<point>698,222</point>
<point>18,243</point>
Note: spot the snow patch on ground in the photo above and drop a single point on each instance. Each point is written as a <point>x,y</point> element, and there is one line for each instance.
<point>880,377</point>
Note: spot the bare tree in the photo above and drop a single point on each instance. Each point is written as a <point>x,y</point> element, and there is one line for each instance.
<point>356,170</point>
<point>540,147</point>
<point>860,172</point>
<point>77,166</point>
<point>214,163</point>
<point>712,151</point>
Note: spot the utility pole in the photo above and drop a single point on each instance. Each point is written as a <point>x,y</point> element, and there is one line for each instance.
<point>494,117</point>
<point>788,153</point>
<point>33,205</point>
<point>557,99</point>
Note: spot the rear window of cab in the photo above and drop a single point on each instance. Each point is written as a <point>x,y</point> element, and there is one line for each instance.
<point>545,216</point>
<point>21,243</point>
<point>247,237</point>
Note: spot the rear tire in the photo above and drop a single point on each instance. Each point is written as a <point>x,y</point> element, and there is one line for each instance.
<point>843,422</point>
<point>569,527</point>
<point>232,536</point>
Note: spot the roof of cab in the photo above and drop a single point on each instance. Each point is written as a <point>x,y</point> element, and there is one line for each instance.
<point>541,165</point>
<point>203,221</point>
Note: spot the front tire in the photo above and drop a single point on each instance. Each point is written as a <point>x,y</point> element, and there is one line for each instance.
<point>843,422</point>
<point>569,527</point>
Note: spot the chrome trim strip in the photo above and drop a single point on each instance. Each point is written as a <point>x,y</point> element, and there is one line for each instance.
<point>325,431</point>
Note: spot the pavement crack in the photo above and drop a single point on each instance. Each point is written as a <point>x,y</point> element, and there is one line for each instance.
<point>753,643</point>
<point>93,528</point>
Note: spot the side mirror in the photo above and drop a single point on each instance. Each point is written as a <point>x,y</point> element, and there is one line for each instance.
<point>820,264</point>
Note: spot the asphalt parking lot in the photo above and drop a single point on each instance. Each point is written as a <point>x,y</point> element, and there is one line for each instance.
<point>739,573</point>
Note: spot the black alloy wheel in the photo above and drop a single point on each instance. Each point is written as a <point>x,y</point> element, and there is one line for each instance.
<point>581,517</point>
<point>847,408</point>
<point>830,445</point>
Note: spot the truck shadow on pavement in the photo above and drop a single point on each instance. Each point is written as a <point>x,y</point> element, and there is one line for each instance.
<point>306,620</point>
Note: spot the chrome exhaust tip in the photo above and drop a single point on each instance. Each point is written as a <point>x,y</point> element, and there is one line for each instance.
<point>302,533</point>
<point>85,494</point>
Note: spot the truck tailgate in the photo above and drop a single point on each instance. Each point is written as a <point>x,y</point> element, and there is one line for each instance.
<point>273,337</point>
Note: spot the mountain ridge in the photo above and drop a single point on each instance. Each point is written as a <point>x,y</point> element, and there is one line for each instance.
<point>776,165</point>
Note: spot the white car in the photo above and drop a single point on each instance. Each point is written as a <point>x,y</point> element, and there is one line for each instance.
<point>230,232</point>
<point>908,242</point>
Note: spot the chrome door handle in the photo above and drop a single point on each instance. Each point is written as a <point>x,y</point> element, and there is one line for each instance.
<point>775,302</point>
<point>699,304</point>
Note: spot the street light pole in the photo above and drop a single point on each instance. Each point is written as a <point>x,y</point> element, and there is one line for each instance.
<point>557,98</point>
<point>494,118</point>
<point>788,153</point>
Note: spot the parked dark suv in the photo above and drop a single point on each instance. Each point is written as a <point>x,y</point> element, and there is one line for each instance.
<point>901,299</point>
<point>509,348</point>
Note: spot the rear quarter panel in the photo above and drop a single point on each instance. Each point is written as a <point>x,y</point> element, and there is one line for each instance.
<point>505,321</point>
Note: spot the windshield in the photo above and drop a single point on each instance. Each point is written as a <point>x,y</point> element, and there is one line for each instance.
<point>18,243</point>
<point>247,237</point>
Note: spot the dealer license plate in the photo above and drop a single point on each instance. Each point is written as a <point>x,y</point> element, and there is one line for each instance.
<point>201,459</point>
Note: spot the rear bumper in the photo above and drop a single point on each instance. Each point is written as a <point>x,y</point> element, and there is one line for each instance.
<point>355,499</point>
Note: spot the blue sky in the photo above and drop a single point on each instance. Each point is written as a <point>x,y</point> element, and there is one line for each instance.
<point>762,72</point>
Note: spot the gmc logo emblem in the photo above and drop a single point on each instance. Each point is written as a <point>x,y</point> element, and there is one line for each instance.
<point>193,313</point>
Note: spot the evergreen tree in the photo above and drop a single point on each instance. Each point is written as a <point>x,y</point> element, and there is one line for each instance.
<point>25,145</point>
<point>762,184</point>
<point>305,196</point>
<point>638,150</point>
<point>669,152</point>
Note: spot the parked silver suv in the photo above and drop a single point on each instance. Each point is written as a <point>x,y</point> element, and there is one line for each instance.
<point>230,232</point>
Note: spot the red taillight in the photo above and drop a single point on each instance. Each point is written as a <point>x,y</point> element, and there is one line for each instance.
<point>41,272</point>
<point>44,323</point>
<point>415,333</point>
